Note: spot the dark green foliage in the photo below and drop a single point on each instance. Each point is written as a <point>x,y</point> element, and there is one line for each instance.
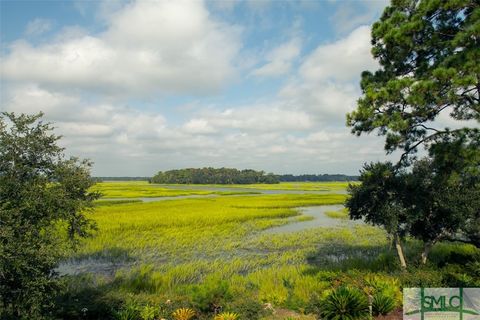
<point>344,303</point>
<point>428,53</point>
<point>85,297</point>
<point>212,295</point>
<point>439,199</point>
<point>130,311</point>
<point>377,200</point>
<point>43,198</point>
<point>246,307</point>
<point>214,176</point>
<point>382,304</point>
<point>421,277</point>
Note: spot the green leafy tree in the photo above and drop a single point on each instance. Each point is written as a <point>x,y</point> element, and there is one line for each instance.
<point>378,201</point>
<point>428,52</point>
<point>214,176</point>
<point>439,199</point>
<point>443,195</point>
<point>43,200</point>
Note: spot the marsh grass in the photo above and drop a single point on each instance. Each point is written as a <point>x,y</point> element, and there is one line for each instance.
<point>143,189</point>
<point>341,214</point>
<point>188,250</point>
<point>299,186</point>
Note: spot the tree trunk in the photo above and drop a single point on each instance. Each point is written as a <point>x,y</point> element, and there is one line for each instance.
<point>427,246</point>
<point>398,246</point>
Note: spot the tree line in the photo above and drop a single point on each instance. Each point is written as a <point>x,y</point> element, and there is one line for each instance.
<point>214,176</point>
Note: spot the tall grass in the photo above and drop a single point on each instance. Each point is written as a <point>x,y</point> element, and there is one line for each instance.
<point>189,250</point>
<point>142,189</point>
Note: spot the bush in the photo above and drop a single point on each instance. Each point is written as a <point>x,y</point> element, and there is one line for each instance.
<point>83,297</point>
<point>385,286</point>
<point>130,311</point>
<point>421,277</point>
<point>344,303</point>
<point>148,312</point>
<point>246,308</point>
<point>212,295</point>
<point>462,276</point>
<point>382,304</point>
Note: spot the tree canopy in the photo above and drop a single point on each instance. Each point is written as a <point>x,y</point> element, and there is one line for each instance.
<point>214,176</point>
<point>428,53</point>
<point>43,198</point>
<point>426,92</point>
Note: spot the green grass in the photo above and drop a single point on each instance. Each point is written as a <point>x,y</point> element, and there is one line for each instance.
<point>180,228</point>
<point>165,248</point>
<point>142,189</point>
<point>188,250</point>
<point>341,214</point>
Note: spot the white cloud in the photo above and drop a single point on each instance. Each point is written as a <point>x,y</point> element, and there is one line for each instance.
<point>38,26</point>
<point>279,60</point>
<point>342,60</point>
<point>254,118</point>
<point>149,47</point>
<point>125,141</point>
<point>198,126</point>
<point>177,47</point>
<point>351,15</point>
<point>327,83</point>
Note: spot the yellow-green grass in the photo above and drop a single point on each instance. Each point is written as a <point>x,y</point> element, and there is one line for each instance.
<point>186,240</point>
<point>340,214</point>
<point>173,249</point>
<point>143,189</point>
<point>200,225</point>
<point>168,247</point>
<point>300,186</point>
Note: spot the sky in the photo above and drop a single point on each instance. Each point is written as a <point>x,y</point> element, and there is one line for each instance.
<point>146,86</point>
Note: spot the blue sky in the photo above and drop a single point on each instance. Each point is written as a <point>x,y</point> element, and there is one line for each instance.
<point>142,86</point>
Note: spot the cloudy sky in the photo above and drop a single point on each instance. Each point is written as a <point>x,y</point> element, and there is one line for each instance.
<point>142,86</point>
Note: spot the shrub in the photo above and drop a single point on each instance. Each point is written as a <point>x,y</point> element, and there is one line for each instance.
<point>421,277</point>
<point>344,303</point>
<point>128,312</point>
<point>211,295</point>
<point>147,312</point>
<point>183,314</point>
<point>386,286</point>
<point>247,308</point>
<point>455,275</point>
<point>382,304</point>
<point>85,297</point>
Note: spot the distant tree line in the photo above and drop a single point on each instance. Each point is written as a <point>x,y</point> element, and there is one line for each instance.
<point>315,177</point>
<point>234,176</point>
<point>214,176</point>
